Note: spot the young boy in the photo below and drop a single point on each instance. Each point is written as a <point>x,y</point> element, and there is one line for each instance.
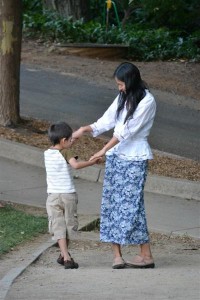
<point>62,198</point>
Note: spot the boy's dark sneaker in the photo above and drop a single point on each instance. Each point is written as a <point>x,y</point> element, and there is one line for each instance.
<point>60,259</point>
<point>70,264</point>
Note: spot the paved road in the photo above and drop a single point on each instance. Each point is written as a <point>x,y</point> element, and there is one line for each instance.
<point>53,96</point>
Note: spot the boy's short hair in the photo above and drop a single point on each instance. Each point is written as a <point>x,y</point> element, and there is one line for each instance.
<point>58,131</point>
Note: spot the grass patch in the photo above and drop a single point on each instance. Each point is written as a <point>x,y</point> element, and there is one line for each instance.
<point>17,226</point>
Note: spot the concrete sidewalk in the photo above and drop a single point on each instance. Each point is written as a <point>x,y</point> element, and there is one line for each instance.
<point>22,180</point>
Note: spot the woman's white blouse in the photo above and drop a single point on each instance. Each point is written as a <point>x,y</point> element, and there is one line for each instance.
<point>134,133</point>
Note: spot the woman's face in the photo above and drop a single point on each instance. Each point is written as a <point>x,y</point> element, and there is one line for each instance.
<point>121,85</point>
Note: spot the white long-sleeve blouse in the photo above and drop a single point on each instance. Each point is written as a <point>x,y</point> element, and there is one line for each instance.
<point>132,136</point>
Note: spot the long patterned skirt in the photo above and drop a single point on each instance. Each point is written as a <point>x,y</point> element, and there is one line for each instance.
<point>123,219</point>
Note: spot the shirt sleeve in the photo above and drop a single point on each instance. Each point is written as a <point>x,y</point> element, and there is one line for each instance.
<point>107,121</point>
<point>67,154</point>
<point>142,117</point>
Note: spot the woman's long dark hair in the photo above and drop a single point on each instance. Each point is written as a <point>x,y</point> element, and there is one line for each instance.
<point>135,88</point>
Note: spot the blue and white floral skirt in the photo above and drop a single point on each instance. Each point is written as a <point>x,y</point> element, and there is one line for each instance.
<point>123,219</point>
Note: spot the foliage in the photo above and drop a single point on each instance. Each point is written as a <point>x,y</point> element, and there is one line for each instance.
<point>179,14</point>
<point>157,30</point>
<point>17,227</point>
<point>97,10</point>
<point>162,44</point>
<point>32,6</point>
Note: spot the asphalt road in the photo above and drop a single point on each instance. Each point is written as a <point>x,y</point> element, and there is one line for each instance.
<point>52,96</point>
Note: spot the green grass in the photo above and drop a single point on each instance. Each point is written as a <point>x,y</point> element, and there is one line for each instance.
<point>17,226</point>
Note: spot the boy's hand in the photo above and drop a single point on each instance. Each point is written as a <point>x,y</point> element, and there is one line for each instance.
<point>96,160</point>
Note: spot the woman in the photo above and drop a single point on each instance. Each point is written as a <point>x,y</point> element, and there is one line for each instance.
<point>123,219</point>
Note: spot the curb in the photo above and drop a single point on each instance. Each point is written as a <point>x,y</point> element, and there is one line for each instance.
<point>155,184</point>
<point>8,279</point>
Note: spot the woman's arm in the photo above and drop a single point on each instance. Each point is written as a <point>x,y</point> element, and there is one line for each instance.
<point>114,141</point>
<point>78,133</point>
<point>105,123</point>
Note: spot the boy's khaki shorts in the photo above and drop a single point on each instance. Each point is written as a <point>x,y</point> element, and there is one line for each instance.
<point>62,215</point>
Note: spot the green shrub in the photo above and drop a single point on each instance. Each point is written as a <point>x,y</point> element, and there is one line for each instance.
<point>162,44</point>
<point>144,43</point>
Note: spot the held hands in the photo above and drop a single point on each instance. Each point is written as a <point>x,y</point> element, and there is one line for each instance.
<point>98,155</point>
<point>77,134</point>
<point>114,141</point>
<point>96,160</point>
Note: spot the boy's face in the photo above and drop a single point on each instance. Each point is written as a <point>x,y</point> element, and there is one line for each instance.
<point>66,143</point>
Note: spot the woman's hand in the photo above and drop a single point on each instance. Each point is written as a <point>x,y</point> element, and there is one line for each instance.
<point>114,141</point>
<point>78,133</point>
<point>96,160</point>
<point>98,155</point>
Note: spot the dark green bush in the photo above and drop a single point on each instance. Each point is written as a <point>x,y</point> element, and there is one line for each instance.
<point>162,44</point>
<point>51,26</point>
<point>146,42</point>
<point>179,14</point>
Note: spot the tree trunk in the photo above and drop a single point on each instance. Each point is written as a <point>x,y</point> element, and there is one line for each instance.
<point>10,51</point>
<point>76,9</point>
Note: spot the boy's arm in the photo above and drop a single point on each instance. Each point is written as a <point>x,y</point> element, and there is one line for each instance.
<point>82,164</point>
